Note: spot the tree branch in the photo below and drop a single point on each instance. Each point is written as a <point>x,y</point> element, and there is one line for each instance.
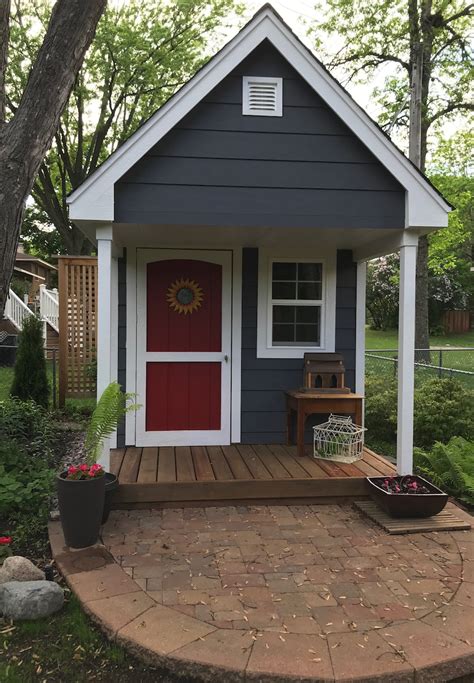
<point>466,12</point>
<point>380,56</point>
<point>452,106</point>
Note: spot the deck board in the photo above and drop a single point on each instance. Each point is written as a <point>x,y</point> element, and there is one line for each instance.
<point>202,464</point>
<point>116,459</point>
<point>237,473</point>
<point>219,463</point>
<point>272,463</point>
<point>236,463</point>
<point>130,465</point>
<point>166,464</point>
<point>184,464</point>
<point>148,466</point>
<point>288,461</point>
<point>253,462</point>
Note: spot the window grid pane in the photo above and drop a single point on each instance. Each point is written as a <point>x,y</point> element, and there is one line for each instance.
<point>296,325</point>
<point>297,281</point>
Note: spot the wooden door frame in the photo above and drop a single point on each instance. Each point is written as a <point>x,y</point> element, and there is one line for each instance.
<point>232,396</point>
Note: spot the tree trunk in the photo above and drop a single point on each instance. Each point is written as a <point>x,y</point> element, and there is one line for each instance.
<point>419,62</point>
<point>25,139</point>
<point>422,327</point>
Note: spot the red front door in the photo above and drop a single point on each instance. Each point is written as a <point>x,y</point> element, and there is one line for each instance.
<point>184,329</point>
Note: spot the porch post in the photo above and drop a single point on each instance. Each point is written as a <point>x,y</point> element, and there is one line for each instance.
<point>104,319</point>
<point>360,327</point>
<point>406,356</point>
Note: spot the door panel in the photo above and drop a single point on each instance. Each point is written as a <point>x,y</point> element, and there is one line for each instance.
<point>183,396</point>
<point>184,306</point>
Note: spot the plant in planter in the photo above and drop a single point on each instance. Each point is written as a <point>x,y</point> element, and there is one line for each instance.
<point>5,550</point>
<point>82,488</point>
<point>407,496</point>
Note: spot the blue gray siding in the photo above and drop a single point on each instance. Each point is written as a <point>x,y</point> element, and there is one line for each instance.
<point>122,334</point>
<point>264,380</point>
<point>218,167</point>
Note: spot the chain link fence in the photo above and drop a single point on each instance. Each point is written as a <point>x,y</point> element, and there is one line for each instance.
<point>456,363</point>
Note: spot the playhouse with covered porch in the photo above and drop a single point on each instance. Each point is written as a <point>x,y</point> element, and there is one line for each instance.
<point>233,230</point>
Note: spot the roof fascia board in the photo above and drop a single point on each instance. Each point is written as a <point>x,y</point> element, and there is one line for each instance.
<point>424,206</point>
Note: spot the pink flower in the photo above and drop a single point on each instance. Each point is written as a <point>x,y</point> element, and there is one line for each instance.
<point>5,540</point>
<point>84,467</point>
<point>72,470</point>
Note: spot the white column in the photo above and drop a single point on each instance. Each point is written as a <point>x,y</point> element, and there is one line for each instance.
<point>360,327</point>
<point>406,359</point>
<point>104,320</point>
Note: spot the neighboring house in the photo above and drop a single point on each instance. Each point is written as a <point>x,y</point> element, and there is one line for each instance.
<point>233,229</point>
<point>33,271</point>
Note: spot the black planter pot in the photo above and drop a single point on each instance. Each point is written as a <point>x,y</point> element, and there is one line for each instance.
<point>111,485</point>
<point>408,504</point>
<point>81,504</point>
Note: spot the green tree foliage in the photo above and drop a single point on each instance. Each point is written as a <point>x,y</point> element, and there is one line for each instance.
<point>142,53</point>
<point>382,42</point>
<point>451,250</point>
<point>30,381</point>
<point>383,277</point>
<point>370,40</point>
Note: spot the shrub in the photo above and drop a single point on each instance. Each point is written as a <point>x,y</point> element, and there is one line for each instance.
<point>443,408</point>
<point>30,381</point>
<point>449,466</point>
<point>28,449</point>
<point>25,421</point>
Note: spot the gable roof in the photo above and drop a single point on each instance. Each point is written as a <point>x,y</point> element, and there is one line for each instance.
<point>93,201</point>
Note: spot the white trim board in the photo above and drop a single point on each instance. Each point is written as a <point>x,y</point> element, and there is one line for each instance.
<point>94,199</point>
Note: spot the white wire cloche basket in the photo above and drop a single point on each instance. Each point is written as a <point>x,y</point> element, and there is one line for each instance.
<point>338,439</point>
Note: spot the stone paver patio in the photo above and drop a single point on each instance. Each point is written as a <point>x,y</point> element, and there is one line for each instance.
<point>290,593</point>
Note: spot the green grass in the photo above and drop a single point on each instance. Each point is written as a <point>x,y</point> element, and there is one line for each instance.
<point>388,339</point>
<point>79,406</point>
<point>67,647</point>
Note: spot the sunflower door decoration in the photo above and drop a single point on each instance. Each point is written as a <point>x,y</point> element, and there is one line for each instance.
<point>185,296</point>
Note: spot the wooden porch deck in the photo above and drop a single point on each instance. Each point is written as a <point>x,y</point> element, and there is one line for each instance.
<point>219,474</point>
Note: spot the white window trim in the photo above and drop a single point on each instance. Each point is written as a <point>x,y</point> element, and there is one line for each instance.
<point>265,349</point>
<point>278,82</point>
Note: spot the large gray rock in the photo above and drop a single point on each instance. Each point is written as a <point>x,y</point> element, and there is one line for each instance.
<point>17,568</point>
<point>30,599</point>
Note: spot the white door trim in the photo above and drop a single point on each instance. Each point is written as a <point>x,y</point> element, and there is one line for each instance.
<point>189,437</point>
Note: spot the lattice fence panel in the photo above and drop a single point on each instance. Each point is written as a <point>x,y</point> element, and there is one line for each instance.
<point>77,327</point>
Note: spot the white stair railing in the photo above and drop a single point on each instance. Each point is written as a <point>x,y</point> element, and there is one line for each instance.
<point>49,306</point>
<point>16,311</point>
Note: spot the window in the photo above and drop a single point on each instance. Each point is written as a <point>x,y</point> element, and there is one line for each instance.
<point>296,308</point>
<point>296,303</point>
<point>262,96</point>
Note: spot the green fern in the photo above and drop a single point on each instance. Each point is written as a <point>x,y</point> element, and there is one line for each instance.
<point>449,466</point>
<point>110,408</point>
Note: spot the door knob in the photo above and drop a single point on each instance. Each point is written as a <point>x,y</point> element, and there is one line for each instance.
<point>226,358</point>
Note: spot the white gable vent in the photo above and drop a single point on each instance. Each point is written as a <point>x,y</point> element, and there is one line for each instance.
<point>262,96</point>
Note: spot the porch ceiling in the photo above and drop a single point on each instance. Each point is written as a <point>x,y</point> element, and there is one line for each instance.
<point>146,235</point>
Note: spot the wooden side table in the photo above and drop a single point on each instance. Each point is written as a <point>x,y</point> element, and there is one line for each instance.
<point>305,403</point>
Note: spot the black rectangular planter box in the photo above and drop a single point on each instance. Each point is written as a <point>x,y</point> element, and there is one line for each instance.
<point>408,504</point>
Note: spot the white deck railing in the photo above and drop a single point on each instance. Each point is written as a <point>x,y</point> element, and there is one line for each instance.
<point>49,306</point>
<point>16,311</point>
